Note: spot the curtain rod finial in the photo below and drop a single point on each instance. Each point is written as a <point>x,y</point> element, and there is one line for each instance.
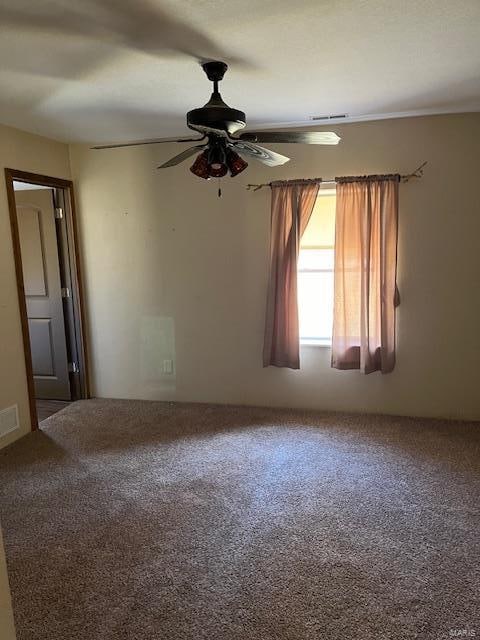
<point>256,187</point>
<point>418,173</point>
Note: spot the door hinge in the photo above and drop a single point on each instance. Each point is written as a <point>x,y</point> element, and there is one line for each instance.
<point>65,292</point>
<point>58,213</point>
<point>73,367</point>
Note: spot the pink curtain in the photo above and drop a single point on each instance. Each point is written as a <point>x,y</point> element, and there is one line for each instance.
<point>292,206</point>
<point>365,273</point>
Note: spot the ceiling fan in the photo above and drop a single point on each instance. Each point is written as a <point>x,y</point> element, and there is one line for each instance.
<point>221,147</point>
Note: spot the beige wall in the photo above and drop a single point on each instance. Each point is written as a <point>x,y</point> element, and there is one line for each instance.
<point>7,630</point>
<point>19,150</point>
<point>175,272</point>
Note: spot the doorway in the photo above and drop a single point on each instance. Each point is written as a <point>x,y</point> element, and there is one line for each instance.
<point>42,216</point>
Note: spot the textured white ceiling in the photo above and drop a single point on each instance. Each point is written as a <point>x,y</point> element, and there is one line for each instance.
<point>290,61</point>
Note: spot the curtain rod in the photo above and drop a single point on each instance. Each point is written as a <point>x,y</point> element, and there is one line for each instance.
<point>418,173</point>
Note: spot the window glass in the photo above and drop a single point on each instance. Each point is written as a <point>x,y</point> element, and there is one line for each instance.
<point>315,273</point>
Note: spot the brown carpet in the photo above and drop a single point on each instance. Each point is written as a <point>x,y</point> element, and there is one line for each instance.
<point>158,521</point>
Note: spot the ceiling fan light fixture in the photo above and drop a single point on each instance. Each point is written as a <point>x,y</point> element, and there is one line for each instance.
<point>201,167</point>
<point>216,161</point>
<point>217,170</point>
<point>235,163</point>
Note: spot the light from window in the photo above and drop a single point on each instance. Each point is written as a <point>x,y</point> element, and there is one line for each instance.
<point>315,273</point>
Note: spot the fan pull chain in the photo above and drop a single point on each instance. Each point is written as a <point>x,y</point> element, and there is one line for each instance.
<point>219,189</point>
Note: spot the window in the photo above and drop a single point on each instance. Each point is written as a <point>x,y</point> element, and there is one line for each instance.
<point>315,273</point>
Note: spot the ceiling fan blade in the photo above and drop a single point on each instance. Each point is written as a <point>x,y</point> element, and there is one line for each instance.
<point>182,156</point>
<point>302,137</point>
<point>206,130</point>
<point>141,142</point>
<point>270,158</point>
<point>138,24</point>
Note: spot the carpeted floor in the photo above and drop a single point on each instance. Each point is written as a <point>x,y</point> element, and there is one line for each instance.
<point>137,520</point>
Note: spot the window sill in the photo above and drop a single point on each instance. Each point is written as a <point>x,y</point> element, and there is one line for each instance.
<point>316,343</point>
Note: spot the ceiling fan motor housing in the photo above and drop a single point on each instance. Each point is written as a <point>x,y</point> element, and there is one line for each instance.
<point>216,114</point>
<point>223,118</point>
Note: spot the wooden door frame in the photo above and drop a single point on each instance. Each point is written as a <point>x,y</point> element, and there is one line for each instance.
<point>12,175</point>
